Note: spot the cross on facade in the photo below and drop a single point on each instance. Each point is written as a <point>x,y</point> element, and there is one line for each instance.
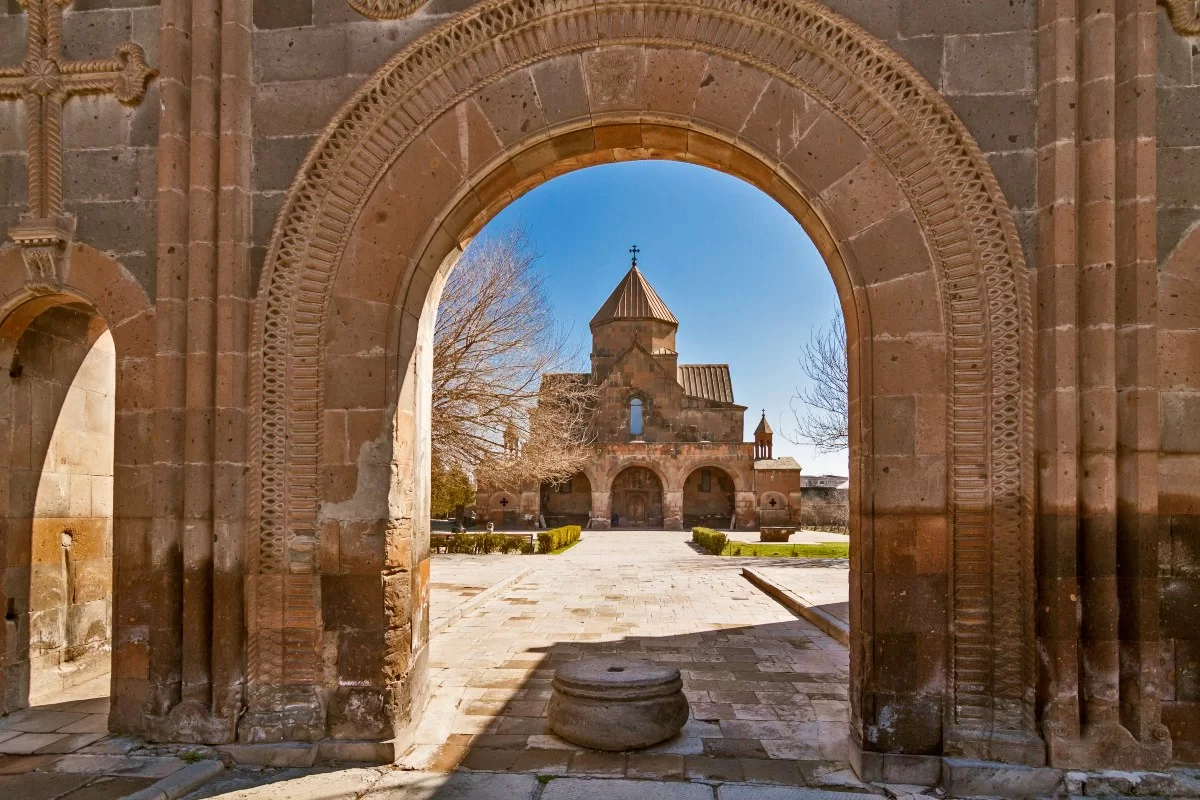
<point>774,502</point>
<point>44,81</point>
<point>635,250</point>
<point>504,501</point>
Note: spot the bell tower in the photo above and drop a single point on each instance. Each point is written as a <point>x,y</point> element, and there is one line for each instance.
<point>764,439</point>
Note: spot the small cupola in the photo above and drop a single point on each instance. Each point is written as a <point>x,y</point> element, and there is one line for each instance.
<point>764,439</point>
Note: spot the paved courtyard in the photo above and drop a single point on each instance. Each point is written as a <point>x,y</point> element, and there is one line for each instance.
<point>767,690</point>
<point>61,750</point>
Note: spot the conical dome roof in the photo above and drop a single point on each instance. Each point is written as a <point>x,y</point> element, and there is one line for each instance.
<point>634,298</point>
<point>763,425</point>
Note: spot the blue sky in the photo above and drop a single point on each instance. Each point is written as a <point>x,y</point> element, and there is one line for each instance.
<point>740,274</point>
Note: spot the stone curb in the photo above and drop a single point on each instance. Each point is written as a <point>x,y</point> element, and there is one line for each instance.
<point>181,782</point>
<point>457,613</point>
<point>798,605</point>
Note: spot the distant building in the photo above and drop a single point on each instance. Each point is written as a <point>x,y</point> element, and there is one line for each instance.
<point>669,449</point>
<point>825,482</point>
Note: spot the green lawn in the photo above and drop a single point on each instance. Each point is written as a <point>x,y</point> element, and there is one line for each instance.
<point>822,550</point>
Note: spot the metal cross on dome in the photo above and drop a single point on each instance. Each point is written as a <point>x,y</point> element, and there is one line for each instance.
<point>44,80</point>
<point>635,250</point>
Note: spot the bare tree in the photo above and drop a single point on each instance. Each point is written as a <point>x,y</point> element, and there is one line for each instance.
<point>822,409</point>
<point>495,339</point>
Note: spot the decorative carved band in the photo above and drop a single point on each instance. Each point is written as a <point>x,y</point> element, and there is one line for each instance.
<point>981,275</point>
<point>386,9</point>
<point>1184,16</point>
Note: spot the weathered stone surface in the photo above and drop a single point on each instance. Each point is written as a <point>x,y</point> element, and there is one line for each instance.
<point>214,450</point>
<point>617,703</point>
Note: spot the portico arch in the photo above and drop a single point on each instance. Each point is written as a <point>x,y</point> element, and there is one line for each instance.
<point>76,389</point>
<point>708,497</point>
<point>786,95</point>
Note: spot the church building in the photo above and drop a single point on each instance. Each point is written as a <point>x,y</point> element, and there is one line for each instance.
<point>668,438</point>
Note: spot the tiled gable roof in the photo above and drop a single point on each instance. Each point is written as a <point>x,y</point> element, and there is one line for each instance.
<point>634,298</point>
<point>785,463</point>
<point>707,381</point>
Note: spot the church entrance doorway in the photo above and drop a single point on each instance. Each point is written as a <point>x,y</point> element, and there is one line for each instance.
<point>637,499</point>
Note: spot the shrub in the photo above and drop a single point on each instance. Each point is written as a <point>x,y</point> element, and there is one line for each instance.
<point>480,543</point>
<point>711,541</point>
<point>555,538</point>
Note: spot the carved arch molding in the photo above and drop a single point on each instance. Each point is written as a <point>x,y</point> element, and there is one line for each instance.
<point>1184,14</point>
<point>982,278</point>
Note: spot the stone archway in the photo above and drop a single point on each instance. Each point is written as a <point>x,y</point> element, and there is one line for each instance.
<point>708,498</point>
<point>637,498</point>
<point>71,504</point>
<point>797,101</point>
<point>568,502</point>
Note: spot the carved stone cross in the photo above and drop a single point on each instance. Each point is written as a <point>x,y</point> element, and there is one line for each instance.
<point>44,81</point>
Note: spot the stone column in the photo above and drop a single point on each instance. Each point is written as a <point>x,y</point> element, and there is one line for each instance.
<point>601,519</point>
<point>673,510</point>
<point>1097,291</point>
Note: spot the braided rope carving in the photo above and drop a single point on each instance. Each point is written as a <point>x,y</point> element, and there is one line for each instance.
<point>981,272</point>
<point>1184,16</point>
<point>386,9</point>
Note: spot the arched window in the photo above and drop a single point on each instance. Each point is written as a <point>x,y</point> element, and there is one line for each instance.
<point>635,417</point>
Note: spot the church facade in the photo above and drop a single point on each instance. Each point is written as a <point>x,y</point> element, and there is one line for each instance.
<point>669,449</point>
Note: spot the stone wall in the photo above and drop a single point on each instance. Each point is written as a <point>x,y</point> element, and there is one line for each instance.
<point>1178,135</point>
<point>109,150</point>
<point>61,378</point>
<point>310,56</point>
<point>980,54</point>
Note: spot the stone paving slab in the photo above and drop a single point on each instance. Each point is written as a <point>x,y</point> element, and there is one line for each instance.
<point>826,588</point>
<point>768,691</point>
<point>456,578</point>
<point>583,789</point>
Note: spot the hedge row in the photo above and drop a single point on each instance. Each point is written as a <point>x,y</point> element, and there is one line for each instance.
<point>712,541</point>
<point>481,543</point>
<point>553,539</point>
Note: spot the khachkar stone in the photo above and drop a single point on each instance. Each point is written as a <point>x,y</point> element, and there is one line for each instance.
<point>44,81</point>
<point>617,703</point>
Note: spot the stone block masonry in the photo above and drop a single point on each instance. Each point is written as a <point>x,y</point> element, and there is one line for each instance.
<point>260,201</point>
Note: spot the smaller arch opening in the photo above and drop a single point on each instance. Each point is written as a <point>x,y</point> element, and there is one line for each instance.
<point>708,498</point>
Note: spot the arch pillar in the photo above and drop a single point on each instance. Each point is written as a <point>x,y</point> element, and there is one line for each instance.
<point>673,509</point>
<point>601,510</point>
<point>902,205</point>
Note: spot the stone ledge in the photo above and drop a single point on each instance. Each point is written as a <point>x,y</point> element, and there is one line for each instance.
<point>179,783</point>
<point>458,612</point>
<point>793,602</point>
<point>968,778</point>
<point>307,754</point>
